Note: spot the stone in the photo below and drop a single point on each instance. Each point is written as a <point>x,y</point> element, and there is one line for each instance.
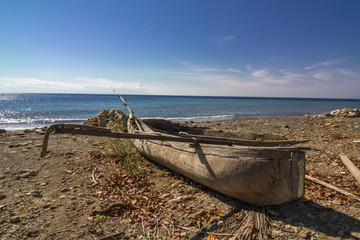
<point>64,189</point>
<point>309,215</point>
<point>355,233</point>
<point>333,228</point>
<point>36,193</point>
<point>15,219</point>
<point>28,174</point>
<point>304,233</point>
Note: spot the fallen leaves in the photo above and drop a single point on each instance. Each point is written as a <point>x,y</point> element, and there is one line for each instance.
<point>315,192</point>
<point>202,217</point>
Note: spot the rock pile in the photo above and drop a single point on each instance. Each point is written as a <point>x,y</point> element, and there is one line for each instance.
<point>346,112</point>
<point>113,118</point>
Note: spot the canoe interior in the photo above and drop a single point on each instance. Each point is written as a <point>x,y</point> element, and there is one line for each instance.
<point>165,126</point>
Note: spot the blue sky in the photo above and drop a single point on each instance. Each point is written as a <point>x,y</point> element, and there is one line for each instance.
<point>267,48</point>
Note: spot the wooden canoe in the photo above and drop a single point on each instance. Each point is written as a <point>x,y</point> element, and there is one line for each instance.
<point>259,175</point>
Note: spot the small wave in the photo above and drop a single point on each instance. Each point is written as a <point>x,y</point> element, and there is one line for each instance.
<point>196,118</point>
<point>40,120</point>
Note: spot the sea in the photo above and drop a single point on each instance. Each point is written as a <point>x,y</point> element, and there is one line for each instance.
<point>32,110</point>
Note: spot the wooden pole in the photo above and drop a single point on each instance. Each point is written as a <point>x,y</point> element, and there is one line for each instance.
<point>352,168</point>
<point>332,187</point>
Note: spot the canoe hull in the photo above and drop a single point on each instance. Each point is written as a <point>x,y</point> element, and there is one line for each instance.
<point>257,175</point>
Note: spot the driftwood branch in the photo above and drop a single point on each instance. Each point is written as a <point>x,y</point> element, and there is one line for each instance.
<point>332,187</point>
<point>352,168</point>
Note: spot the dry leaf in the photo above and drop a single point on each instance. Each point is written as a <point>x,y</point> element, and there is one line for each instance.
<point>211,237</point>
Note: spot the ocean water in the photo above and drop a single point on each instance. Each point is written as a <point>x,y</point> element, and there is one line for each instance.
<point>25,111</point>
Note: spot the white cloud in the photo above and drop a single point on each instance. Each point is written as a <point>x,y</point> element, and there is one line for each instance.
<point>337,74</point>
<point>80,84</point>
<point>325,63</point>
<point>106,83</point>
<point>222,41</point>
<point>194,68</point>
<point>260,73</point>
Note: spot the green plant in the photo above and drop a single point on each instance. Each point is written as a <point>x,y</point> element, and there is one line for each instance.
<point>124,149</point>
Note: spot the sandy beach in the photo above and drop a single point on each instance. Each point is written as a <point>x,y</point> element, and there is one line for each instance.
<point>70,194</point>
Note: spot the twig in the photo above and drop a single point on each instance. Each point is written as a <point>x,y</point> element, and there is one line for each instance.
<point>114,236</point>
<point>57,232</point>
<point>166,230</point>
<point>93,177</point>
<point>332,187</point>
<point>107,210</point>
<point>181,198</point>
<point>142,223</point>
<point>217,234</point>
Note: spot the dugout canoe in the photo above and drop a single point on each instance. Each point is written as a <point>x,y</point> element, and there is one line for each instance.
<point>259,173</point>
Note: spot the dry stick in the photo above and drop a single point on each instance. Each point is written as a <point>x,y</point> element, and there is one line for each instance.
<point>107,210</point>
<point>166,230</point>
<point>57,232</point>
<point>93,177</point>
<point>217,234</point>
<point>113,236</point>
<point>352,168</point>
<point>332,187</point>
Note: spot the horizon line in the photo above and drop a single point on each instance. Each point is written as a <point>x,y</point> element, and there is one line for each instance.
<point>175,95</point>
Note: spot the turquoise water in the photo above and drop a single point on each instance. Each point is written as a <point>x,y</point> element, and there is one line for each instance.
<point>23,111</point>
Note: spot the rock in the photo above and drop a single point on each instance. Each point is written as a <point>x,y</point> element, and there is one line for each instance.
<point>64,189</point>
<point>309,215</point>
<point>2,131</point>
<point>333,228</point>
<point>355,233</point>
<point>28,174</point>
<point>15,219</point>
<point>304,233</point>
<point>36,193</point>
<point>346,112</point>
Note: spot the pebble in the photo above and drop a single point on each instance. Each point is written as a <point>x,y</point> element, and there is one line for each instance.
<point>64,189</point>
<point>355,233</point>
<point>309,215</point>
<point>304,233</point>
<point>15,219</point>
<point>333,228</point>
<point>46,205</point>
<point>36,193</point>
<point>27,174</point>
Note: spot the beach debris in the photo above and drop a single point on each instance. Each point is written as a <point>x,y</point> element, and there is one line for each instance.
<point>345,112</point>
<point>317,192</point>
<point>110,119</point>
